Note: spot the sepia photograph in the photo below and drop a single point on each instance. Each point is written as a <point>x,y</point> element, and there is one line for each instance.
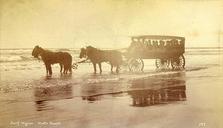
<point>111,63</point>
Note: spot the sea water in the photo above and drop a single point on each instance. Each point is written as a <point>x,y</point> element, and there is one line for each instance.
<point>19,70</point>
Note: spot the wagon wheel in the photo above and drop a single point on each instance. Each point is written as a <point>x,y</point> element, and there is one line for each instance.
<point>136,65</point>
<point>162,63</point>
<point>178,63</point>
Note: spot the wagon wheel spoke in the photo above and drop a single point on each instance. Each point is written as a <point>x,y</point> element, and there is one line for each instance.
<point>162,63</point>
<point>136,65</point>
<point>178,63</point>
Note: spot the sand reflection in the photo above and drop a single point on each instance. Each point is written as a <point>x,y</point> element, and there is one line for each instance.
<point>45,94</point>
<point>158,90</point>
<point>146,91</point>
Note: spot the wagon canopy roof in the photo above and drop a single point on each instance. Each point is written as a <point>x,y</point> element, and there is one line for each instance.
<point>161,37</point>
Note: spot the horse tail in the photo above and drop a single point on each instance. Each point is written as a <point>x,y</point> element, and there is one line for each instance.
<point>70,63</point>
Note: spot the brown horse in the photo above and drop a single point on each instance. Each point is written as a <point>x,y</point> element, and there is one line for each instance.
<point>97,56</point>
<point>49,57</point>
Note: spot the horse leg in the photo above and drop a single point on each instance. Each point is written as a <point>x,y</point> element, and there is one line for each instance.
<point>111,68</point>
<point>65,69</point>
<point>50,69</point>
<point>117,69</point>
<point>70,65</point>
<point>70,69</point>
<point>99,64</point>
<point>94,64</point>
<point>61,67</point>
<point>46,69</point>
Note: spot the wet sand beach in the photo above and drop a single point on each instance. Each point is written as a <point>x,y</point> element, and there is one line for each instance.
<point>191,98</point>
<point>170,56</point>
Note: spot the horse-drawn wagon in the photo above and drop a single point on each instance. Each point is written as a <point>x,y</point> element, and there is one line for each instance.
<point>166,50</point>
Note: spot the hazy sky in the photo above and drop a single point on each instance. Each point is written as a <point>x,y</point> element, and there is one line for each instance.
<point>107,23</point>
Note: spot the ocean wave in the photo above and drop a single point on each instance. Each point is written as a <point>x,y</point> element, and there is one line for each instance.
<point>14,55</point>
<point>203,53</point>
<point>15,51</point>
<point>15,58</point>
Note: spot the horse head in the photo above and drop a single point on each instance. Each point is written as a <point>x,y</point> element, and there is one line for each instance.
<point>90,50</point>
<point>83,53</point>
<point>36,51</point>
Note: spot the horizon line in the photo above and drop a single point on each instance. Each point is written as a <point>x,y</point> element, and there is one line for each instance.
<point>120,48</point>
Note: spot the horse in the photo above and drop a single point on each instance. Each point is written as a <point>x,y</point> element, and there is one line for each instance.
<point>49,57</point>
<point>97,56</point>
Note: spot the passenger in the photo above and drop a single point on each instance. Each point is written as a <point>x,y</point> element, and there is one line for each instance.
<point>141,44</point>
<point>168,45</point>
<point>161,47</point>
<point>162,43</point>
<point>155,44</point>
<point>181,43</point>
<point>149,45</point>
<point>175,43</point>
